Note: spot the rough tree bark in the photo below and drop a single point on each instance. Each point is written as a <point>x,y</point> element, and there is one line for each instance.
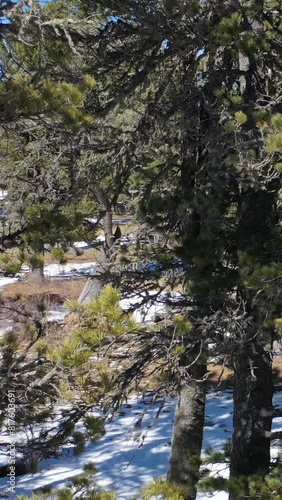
<point>37,266</point>
<point>253,387</point>
<point>36,275</point>
<point>188,433</point>
<point>253,410</point>
<point>94,284</point>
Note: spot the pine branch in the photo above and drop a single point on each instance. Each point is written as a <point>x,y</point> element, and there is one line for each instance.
<point>11,239</point>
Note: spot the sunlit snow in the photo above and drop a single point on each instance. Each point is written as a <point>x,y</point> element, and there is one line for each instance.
<point>136,446</point>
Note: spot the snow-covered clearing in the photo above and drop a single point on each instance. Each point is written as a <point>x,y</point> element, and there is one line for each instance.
<point>55,271</point>
<point>7,280</point>
<point>136,447</point>
<point>63,271</point>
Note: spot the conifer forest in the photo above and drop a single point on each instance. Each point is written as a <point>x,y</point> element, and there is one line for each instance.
<point>141,249</point>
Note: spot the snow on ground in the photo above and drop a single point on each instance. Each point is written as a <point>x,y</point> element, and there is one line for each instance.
<point>120,222</point>
<point>144,313</point>
<point>6,326</point>
<point>276,425</point>
<point>7,281</point>
<point>69,270</point>
<point>131,455</point>
<point>147,312</point>
<point>53,271</point>
<point>136,447</point>
<point>56,316</point>
<point>134,450</point>
<point>82,244</point>
<point>56,271</point>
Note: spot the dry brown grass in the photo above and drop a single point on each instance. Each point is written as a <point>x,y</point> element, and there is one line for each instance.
<point>277,370</point>
<point>55,290</point>
<point>55,334</point>
<point>224,376</point>
<point>88,255</point>
<point>219,375</point>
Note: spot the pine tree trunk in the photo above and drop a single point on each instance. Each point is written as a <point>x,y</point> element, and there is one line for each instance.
<point>95,284</point>
<point>253,410</point>
<point>36,275</point>
<point>188,433</point>
<point>253,389</point>
<point>37,266</point>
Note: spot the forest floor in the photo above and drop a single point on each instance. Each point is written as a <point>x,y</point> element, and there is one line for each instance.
<point>128,456</point>
<point>136,446</point>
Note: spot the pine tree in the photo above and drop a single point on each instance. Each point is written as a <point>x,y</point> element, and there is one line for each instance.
<point>199,83</point>
<point>42,118</point>
<point>57,384</point>
<point>205,172</point>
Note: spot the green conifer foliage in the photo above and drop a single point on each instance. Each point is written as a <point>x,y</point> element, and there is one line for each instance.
<point>205,153</point>
<point>48,377</point>
<point>199,146</point>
